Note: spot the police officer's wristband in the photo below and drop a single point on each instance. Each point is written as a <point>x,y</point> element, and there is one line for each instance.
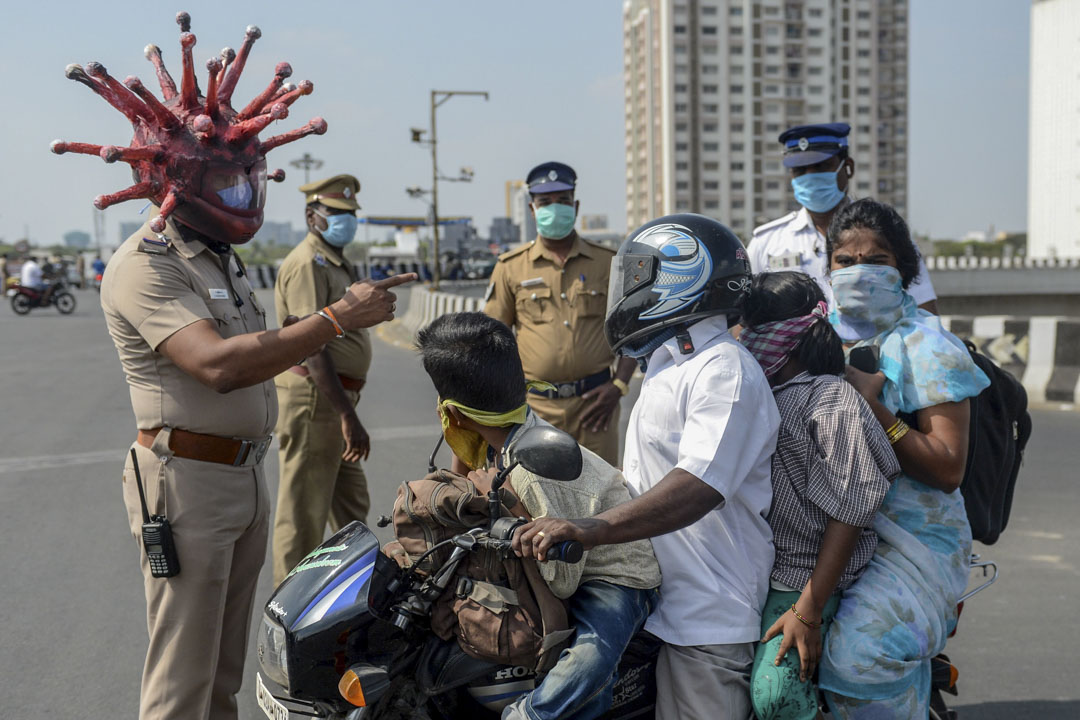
<point>327,313</point>
<point>623,387</point>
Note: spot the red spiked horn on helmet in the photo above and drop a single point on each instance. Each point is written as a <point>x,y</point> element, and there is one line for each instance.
<point>195,156</point>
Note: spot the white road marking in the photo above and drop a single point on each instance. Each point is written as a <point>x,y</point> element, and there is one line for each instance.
<point>429,432</point>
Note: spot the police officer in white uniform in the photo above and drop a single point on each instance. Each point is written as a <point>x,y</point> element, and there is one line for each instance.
<point>821,172</point>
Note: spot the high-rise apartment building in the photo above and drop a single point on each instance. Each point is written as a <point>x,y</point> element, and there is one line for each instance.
<point>1054,130</point>
<point>711,84</point>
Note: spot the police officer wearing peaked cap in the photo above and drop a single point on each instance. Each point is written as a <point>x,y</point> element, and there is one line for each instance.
<point>821,172</point>
<point>553,292</point>
<point>322,438</point>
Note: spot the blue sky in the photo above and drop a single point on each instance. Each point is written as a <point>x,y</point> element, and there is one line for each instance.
<point>554,71</point>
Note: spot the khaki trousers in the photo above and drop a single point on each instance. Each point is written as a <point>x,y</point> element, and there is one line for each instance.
<point>316,485</point>
<point>565,414</point>
<point>198,620</point>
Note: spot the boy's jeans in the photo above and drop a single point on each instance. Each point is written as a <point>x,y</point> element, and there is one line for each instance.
<point>580,685</point>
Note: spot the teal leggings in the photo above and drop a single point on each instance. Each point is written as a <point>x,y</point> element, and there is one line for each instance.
<point>775,690</point>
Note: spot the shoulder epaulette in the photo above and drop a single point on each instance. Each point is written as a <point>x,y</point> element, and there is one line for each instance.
<point>778,221</point>
<point>516,251</point>
<point>154,244</point>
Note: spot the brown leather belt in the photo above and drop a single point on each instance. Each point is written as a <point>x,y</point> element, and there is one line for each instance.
<point>210,448</point>
<point>350,384</point>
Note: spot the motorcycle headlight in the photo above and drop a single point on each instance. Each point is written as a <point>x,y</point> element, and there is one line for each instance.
<point>273,656</point>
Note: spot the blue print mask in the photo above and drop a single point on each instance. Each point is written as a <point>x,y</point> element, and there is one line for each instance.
<point>867,301</point>
<point>818,192</point>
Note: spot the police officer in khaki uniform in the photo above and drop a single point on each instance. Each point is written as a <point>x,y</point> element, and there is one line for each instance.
<point>192,339</point>
<point>322,439</point>
<point>553,292</point>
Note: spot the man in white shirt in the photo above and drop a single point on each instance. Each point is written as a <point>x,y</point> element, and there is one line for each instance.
<point>30,274</point>
<point>821,172</point>
<point>697,460</point>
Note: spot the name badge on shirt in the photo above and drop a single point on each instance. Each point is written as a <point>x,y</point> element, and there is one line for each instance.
<point>532,281</point>
<point>219,294</point>
<point>787,260</point>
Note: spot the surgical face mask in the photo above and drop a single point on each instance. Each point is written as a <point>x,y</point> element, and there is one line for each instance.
<point>340,229</point>
<point>555,221</point>
<point>818,192</point>
<point>867,301</point>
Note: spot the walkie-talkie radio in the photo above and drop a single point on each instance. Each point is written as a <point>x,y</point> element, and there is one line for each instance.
<point>156,535</point>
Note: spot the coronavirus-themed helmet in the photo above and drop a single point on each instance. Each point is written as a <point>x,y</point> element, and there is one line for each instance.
<point>195,156</point>
<point>668,274</point>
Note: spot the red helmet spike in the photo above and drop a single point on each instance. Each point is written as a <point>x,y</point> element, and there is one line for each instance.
<point>75,72</point>
<point>138,190</point>
<point>164,119</point>
<point>316,126</point>
<point>282,71</point>
<point>60,147</point>
<point>168,87</point>
<point>246,129</point>
<point>229,83</point>
<point>185,148</point>
<point>167,206</point>
<point>189,93</point>
<point>131,155</point>
<point>277,175</point>
<point>118,96</point>
<point>292,95</point>
<point>213,66</point>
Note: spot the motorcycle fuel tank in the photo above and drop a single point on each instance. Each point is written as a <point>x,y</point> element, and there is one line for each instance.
<point>323,616</point>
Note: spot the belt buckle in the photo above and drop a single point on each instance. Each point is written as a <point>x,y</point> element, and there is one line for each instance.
<point>566,390</point>
<point>247,447</point>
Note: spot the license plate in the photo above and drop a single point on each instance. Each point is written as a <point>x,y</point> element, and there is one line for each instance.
<point>269,704</point>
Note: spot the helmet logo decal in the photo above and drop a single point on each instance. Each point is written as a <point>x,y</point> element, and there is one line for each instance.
<point>684,272</point>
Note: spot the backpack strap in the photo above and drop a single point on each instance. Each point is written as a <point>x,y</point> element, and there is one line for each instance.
<point>556,623</point>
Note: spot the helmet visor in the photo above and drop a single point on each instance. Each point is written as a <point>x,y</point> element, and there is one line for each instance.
<point>628,273</point>
<point>235,187</point>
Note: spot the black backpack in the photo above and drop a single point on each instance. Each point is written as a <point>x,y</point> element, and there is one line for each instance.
<point>1000,428</point>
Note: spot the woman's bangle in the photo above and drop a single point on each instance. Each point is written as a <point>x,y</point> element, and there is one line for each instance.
<point>894,427</point>
<point>327,313</point>
<point>804,621</point>
<point>896,435</point>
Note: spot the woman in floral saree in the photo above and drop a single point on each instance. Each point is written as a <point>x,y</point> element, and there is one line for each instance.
<point>897,616</point>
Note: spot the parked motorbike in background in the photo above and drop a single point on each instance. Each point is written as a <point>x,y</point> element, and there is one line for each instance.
<point>347,635</point>
<point>24,299</point>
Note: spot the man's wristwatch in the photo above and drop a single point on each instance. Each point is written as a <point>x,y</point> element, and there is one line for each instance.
<point>623,387</point>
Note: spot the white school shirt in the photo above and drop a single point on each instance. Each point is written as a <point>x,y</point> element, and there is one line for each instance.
<point>711,414</point>
<point>793,243</point>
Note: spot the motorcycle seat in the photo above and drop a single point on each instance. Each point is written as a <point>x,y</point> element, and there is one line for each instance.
<point>443,665</point>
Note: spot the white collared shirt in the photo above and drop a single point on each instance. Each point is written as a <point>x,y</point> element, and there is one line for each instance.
<point>793,243</point>
<point>30,274</point>
<point>711,414</point>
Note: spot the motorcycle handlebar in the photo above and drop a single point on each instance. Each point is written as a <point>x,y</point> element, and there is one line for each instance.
<point>570,551</point>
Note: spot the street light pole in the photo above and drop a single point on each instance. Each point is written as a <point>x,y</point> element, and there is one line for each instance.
<point>438,97</point>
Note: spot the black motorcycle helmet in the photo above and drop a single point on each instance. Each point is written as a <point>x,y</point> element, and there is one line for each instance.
<point>668,274</point>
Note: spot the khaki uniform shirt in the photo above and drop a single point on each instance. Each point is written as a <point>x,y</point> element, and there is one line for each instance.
<point>557,311</point>
<point>600,487</point>
<point>312,277</point>
<point>156,285</point>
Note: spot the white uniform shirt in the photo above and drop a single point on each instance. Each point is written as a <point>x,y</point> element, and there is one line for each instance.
<point>30,274</point>
<point>793,243</point>
<point>711,414</point>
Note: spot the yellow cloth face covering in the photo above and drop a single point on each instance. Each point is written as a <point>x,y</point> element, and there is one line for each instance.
<point>469,445</point>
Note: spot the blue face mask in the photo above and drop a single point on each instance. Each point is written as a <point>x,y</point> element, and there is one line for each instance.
<point>555,221</point>
<point>238,196</point>
<point>340,229</point>
<point>867,301</point>
<point>818,192</point>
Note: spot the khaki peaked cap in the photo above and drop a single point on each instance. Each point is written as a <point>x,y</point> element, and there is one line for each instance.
<point>338,192</point>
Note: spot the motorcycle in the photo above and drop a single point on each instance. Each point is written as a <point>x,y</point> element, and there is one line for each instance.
<point>346,636</point>
<point>24,299</point>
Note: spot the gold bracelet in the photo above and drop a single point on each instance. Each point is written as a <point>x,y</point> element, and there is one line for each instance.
<point>804,621</point>
<point>899,428</point>
<point>623,387</point>
<point>899,434</point>
<point>894,427</point>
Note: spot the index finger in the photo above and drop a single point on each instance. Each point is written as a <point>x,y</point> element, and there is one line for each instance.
<point>395,281</point>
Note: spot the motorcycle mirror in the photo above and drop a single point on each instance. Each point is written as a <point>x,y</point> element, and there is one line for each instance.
<point>547,452</point>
